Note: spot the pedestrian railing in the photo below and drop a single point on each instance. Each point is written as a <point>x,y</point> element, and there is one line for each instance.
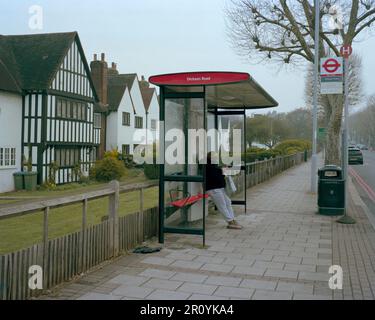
<point>261,171</point>
<point>65,257</point>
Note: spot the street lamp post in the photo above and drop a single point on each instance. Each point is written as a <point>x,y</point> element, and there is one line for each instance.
<point>346,219</point>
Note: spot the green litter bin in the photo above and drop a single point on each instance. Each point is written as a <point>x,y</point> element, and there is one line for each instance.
<point>19,181</point>
<point>31,179</point>
<point>331,191</point>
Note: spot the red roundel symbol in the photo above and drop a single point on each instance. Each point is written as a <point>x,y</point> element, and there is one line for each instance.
<point>346,51</point>
<point>331,65</point>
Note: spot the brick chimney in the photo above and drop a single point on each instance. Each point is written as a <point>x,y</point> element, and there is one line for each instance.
<point>113,69</point>
<point>99,74</point>
<point>143,83</point>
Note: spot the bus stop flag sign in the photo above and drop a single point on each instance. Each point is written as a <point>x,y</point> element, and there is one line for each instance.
<point>332,75</point>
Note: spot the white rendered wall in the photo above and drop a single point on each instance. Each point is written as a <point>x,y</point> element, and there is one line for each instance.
<point>153,114</point>
<point>125,133</point>
<point>10,135</point>
<point>111,135</point>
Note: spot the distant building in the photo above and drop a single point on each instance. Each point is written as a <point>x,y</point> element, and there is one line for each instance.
<point>151,104</point>
<point>132,105</point>
<point>47,100</point>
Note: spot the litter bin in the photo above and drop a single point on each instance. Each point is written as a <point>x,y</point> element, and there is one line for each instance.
<point>31,179</point>
<point>19,183</point>
<point>331,191</point>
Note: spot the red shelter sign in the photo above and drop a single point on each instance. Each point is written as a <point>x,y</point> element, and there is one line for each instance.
<point>199,78</point>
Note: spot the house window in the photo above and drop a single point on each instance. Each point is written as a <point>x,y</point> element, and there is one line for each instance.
<point>79,110</point>
<point>65,109</point>
<point>71,109</point>
<point>97,120</point>
<point>153,124</point>
<point>67,157</point>
<point>138,122</point>
<point>126,119</point>
<point>125,149</point>
<point>7,157</point>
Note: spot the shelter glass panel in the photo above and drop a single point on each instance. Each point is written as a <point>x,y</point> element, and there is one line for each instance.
<point>185,138</point>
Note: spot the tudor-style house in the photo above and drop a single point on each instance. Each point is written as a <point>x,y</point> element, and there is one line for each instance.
<point>47,101</point>
<point>132,105</point>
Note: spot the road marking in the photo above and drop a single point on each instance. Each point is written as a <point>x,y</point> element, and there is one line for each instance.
<point>370,192</point>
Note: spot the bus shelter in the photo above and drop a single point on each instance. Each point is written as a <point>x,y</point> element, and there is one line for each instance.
<point>201,112</point>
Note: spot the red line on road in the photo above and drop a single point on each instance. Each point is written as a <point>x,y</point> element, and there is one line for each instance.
<point>363,184</point>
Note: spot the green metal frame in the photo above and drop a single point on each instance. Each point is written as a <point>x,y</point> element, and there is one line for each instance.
<point>184,177</point>
<point>178,178</point>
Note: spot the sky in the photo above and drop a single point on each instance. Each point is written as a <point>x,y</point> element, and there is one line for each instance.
<point>151,37</point>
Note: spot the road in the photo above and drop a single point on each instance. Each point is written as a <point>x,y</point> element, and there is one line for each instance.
<point>364,179</point>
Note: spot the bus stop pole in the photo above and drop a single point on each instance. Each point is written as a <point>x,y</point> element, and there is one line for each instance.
<point>315,101</point>
<point>346,128</point>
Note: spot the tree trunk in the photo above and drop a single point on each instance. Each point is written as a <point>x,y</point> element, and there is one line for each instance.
<point>333,140</point>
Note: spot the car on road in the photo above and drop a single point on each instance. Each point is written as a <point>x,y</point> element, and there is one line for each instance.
<point>362,147</point>
<point>355,156</point>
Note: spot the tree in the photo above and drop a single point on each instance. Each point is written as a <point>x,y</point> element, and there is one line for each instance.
<point>300,124</point>
<point>266,129</point>
<point>362,128</point>
<point>283,32</point>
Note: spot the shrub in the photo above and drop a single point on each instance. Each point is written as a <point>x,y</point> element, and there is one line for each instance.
<point>293,146</point>
<point>128,160</point>
<point>77,172</point>
<point>108,169</point>
<point>259,154</point>
<point>112,154</point>
<point>291,150</point>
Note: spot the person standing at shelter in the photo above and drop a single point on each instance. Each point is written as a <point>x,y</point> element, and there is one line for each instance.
<point>215,187</point>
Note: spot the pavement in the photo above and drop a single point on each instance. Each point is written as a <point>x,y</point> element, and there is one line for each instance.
<point>283,253</point>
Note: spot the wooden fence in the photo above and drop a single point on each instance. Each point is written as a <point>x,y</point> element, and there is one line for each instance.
<point>65,257</point>
<point>70,255</point>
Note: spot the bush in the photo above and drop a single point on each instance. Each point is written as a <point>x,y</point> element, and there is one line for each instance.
<point>259,154</point>
<point>108,169</point>
<point>291,150</point>
<point>128,161</point>
<point>288,147</point>
<point>112,154</point>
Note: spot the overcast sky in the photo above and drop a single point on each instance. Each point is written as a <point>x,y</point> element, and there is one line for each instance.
<point>161,36</point>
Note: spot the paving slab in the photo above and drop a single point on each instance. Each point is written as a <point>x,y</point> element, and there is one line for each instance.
<point>232,292</point>
<point>98,296</point>
<point>161,294</point>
